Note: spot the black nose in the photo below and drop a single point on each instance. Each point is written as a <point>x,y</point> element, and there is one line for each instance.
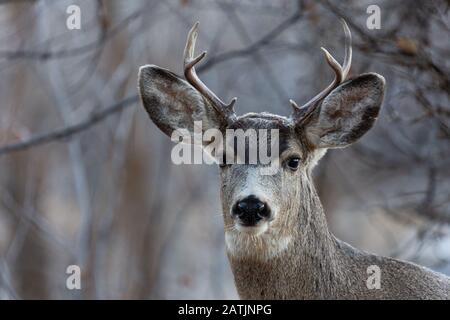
<point>250,210</point>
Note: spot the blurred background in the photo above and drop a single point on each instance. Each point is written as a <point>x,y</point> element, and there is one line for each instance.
<point>86,178</point>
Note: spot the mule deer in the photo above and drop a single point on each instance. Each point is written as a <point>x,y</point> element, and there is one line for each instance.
<point>277,239</point>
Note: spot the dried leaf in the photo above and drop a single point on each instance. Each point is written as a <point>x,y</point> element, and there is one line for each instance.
<point>407,45</point>
<point>184,3</point>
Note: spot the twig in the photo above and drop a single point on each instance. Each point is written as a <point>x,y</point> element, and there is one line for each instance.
<point>66,132</point>
<point>263,41</point>
<point>95,118</point>
<point>72,52</point>
<point>265,67</point>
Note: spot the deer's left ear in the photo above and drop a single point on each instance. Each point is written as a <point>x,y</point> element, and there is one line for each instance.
<point>347,113</point>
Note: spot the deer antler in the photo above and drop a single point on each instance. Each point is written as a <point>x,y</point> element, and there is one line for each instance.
<point>226,110</point>
<point>302,113</point>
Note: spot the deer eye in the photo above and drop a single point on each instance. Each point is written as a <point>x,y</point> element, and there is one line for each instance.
<point>293,163</point>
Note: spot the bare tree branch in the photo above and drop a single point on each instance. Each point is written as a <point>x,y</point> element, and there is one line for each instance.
<point>95,118</point>
<point>66,132</point>
<point>72,52</point>
<point>256,46</point>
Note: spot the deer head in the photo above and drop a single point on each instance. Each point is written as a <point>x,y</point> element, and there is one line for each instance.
<point>264,213</point>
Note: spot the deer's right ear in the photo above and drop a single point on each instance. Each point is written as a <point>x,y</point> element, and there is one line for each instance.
<point>172,103</point>
<point>347,113</point>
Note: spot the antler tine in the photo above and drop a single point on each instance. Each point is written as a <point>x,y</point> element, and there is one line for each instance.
<point>348,50</point>
<point>341,72</point>
<point>226,110</point>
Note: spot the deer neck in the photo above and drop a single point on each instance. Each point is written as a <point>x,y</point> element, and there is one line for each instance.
<point>308,264</point>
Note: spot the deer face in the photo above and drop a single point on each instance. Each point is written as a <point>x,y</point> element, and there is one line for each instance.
<point>252,201</point>
<point>261,211</point>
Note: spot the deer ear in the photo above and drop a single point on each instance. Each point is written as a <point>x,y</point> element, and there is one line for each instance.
<point>172,103</point>
<point>347,113</point>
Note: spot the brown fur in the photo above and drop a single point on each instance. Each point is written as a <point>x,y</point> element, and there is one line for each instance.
<point>296,257</point>
<point>316,265</point>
